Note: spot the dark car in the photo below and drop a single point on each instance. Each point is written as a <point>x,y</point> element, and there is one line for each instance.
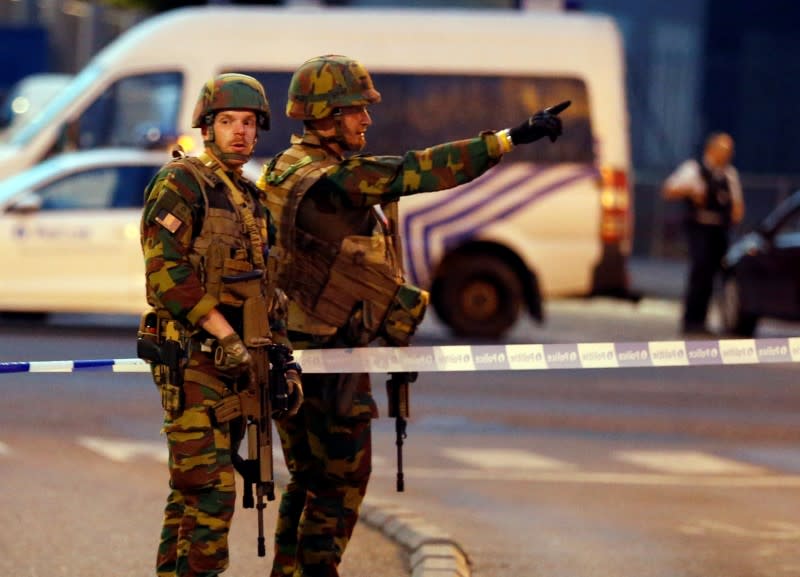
<point>762,272</point>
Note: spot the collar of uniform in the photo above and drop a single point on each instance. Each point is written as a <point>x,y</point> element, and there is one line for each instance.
<point>312,139</point>
<point>307,138</point>
<point>209,158</point>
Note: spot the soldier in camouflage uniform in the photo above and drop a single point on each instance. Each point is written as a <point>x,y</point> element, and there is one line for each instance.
<point>204,223</point>
<point>336,218</point>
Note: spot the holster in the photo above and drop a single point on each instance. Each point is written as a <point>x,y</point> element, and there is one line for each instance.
<point>161,341</point>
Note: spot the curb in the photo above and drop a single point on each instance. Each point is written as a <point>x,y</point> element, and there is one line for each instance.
<point>431,551</point>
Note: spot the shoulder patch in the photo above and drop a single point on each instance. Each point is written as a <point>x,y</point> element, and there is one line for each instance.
<point>168,220</point>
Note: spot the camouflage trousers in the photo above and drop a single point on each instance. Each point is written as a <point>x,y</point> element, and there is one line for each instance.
<point>329,457</point>
<point>200,505</point>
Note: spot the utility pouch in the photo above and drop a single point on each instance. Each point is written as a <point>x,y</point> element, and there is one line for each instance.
<point>227,408</point>
<point>171,397</point>
<point>173,359</point>
<point>405,314</point>
<point>361,273</point>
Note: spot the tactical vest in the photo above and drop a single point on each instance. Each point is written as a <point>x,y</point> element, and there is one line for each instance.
<point>718,207</point>
<point>228,253</point>
<point>348,270</point>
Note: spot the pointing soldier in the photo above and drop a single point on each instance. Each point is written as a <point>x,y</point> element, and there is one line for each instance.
<point>204,235</point>
<point>336,217</point>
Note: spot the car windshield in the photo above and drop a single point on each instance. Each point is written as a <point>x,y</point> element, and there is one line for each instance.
<point>51,112</point>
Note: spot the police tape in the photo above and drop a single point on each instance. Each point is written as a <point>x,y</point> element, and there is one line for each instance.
<point>506,357</point>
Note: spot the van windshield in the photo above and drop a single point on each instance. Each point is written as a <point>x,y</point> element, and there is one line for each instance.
<point>139,111</point>
<point>52,112</point>
<point>420,110</point>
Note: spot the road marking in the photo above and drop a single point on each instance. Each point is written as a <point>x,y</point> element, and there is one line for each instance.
<point>123,451</point>
<point>686,463</point>
<point>612,307</point>
<point>4,450</point>
<point>601,478</point>
<point>498,465</point>
<point>772,530</point>
<point>505,459</point>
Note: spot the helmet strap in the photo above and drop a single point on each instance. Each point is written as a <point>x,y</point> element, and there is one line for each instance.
<point>226,157</point>
<point>338,137</point>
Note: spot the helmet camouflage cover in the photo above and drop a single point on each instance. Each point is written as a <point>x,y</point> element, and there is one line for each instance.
<point>231,91</point>
<point>326,83</point>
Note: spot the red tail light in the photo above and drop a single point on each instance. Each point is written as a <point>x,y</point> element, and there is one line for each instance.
<point>615,204</point>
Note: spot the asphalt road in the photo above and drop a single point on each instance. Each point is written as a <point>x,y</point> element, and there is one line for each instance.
<point>667,472</point>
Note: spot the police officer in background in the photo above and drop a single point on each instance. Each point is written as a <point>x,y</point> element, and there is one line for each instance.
<point>712,193</point>
<point>336,216</point>
<point>205,224</point>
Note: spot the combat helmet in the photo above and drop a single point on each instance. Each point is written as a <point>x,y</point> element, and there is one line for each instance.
<point>325,83</point>
<point>231,91</point>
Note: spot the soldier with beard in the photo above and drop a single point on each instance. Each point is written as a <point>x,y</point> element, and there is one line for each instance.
<point>336,216</point>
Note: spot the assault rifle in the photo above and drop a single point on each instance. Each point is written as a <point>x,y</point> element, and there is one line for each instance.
<point>262,395</point>
<point>264,398</point>
<point>397,393</point>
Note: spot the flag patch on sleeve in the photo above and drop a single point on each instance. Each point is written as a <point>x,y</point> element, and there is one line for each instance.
<point>168,220</point>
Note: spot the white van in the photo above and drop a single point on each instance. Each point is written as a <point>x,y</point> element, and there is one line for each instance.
<point>551,220</point>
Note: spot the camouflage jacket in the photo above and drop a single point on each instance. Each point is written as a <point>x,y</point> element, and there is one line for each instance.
<point>167,241</point>
<point>364,180</point>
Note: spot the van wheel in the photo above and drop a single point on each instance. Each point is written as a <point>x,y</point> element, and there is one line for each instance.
<point>478,296</point>
<point>735,321</point>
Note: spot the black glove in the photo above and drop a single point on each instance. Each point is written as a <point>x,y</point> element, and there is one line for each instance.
<point>544,123</point>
